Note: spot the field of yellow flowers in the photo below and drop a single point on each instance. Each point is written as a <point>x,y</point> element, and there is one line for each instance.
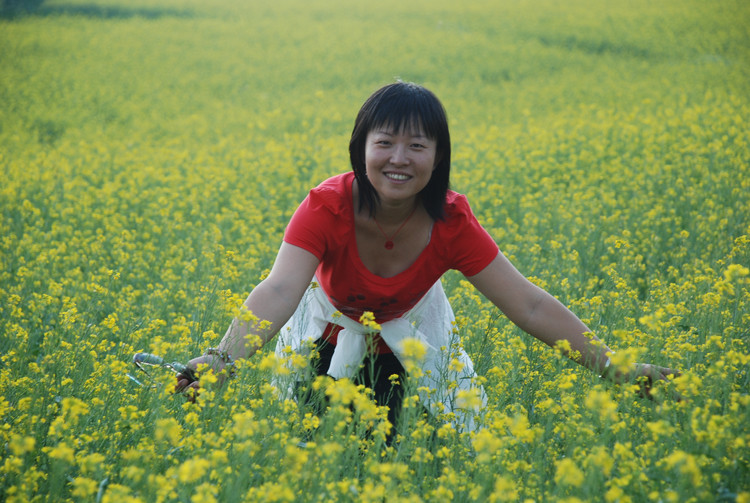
<point>152,151</point>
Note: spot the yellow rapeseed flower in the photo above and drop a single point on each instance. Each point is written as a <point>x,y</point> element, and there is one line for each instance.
<point>601,404</point>
<point>20,445</point>
<point>567,473</point>
<point>84,488</point>
<point>193,469</point>
<point>469,399</point>
<point>62,451</point>
<point>168,430</point>
<point>368,320</point>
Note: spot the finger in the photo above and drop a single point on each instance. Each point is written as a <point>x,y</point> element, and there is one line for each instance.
<point>667,374</point>
<point>647,383</point>
<point>184,381</point>
<point>181,384</point>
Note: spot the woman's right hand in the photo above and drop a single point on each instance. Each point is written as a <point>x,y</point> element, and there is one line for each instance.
<point>187,382</point>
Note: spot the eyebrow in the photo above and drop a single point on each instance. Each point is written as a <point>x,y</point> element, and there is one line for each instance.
<point>388,133</point>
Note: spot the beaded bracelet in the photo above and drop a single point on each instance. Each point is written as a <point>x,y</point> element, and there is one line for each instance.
<point>225,357</point>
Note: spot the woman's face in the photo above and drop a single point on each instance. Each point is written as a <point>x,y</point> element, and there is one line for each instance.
<point>399,164</point>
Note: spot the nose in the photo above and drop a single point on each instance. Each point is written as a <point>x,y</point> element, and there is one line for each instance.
<point>399,156</point>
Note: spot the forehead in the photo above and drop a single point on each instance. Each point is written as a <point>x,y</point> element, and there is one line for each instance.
<point>409,126</point>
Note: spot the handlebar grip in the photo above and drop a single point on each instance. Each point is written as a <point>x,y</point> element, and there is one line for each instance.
<point>148,358</point>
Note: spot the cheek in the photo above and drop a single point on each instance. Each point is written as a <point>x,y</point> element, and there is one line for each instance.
<point>369,159</point>
<point>374,161</point>
<point>369,173</point>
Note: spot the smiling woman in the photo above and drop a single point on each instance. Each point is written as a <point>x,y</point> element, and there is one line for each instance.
<point>399,165</point>
<point>360,300</point>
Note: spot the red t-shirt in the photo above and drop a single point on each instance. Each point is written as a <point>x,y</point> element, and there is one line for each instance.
<point>324,225</point>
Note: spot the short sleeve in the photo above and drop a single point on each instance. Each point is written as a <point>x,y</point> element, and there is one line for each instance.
<point>316,223</point>
<point>470,246</point>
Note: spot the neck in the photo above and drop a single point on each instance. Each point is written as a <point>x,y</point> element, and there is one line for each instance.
<point>387,212</point>
<point>395,213</point>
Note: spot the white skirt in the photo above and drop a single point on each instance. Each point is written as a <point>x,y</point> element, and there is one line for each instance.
<point>447,383</point>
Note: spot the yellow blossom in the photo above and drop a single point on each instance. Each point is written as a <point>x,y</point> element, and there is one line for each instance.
<point>368,320</point>
<point>62,451</point>
<point>20,445</point>
<point>193,469</point>
<point>84,488</point>
<point>568,473</point>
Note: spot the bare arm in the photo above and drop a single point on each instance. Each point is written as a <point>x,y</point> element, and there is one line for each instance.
<point>272,303</point>
<point>538,313</point>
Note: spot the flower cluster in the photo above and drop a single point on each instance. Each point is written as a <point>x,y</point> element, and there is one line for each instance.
<point>151,154</point>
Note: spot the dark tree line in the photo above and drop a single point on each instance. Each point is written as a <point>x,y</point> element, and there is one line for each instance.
<point>20,6</point>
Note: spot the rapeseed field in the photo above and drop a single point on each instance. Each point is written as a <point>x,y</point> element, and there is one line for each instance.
<point>151,153</point>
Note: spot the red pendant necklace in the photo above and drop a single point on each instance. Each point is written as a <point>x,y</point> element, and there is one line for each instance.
<point>389,240</point>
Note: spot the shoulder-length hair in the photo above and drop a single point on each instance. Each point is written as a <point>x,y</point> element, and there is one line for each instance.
<point>404,106</point>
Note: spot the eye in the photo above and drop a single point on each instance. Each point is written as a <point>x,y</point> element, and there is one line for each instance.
<point>418,146</point>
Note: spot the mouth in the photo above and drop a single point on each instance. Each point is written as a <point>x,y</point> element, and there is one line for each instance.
<point>397,177</point>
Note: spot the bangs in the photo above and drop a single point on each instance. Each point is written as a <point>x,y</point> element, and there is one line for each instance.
<point>407,112</point>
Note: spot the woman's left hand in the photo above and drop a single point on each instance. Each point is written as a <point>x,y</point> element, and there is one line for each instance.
<point>646,374</point>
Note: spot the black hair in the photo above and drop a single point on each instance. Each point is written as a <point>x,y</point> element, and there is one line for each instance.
<point>404,106</point>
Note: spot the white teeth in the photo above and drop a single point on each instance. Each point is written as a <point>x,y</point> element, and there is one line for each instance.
<point>397,176</point>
